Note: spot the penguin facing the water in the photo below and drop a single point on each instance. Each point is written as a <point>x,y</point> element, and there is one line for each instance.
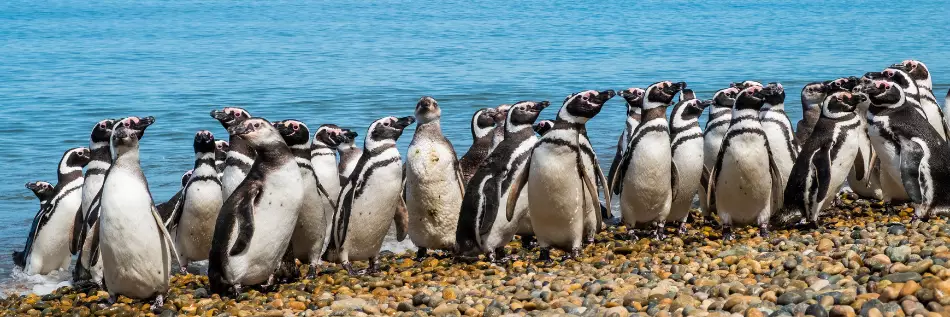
<point>744,176</point>
<point>560,176</point>
<point>434,185</point>
<point>781,137</point>
<point>255,223</point>
<point>193,222</point>
<point>482,225</point>
<point>370,197</point>
<point>483,124</point>
<point>43,191</point>
<point>309,236</point>
<point>240,156</point>
<point>687,154</point>
<point>647,173</point>
<point>633,98</point>
<point>47,246</point>
<point>825,161</point>
<point>136,249</point>
<point>720,117</point>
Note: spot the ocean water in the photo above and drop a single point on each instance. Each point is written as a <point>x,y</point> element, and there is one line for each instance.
<point>67,64</point>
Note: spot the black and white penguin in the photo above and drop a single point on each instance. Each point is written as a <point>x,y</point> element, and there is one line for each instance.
<point>647,173</point>
<point>561,177</point>
<point>634,101</point>
<point>101,159</point>
<point>812,96</point>
<point>316,209</point>
<point>483,227</point>
<point>201,200</point>
<point>781,137</point>
<point>864,178</point>
<point>327,140</point>
<point>498,134</point>
<point>720,116</point>
<point>930,110</point>
<point>43,191</point>
<point>543,126</point>
<point>892,187</point>
<point>370,197</point>
<point>349,154</point>
<point>256,222</point>
<point>687,153</point>
<point>925,94</point>
<point>744,176</point>
<point>483,124</point>
<point>434,186</point>
<point>915,153</point>
<point>825,161</point>
<point>240,155</point>
<point>136,249</point>
<point>221,148</point>
<point>48,243</point>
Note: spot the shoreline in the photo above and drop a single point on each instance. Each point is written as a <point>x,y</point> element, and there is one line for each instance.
<point>863,263</point>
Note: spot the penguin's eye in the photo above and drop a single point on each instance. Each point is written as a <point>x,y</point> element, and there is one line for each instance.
<point>296,127</point>
<point>237,114</point>
<point>257,125</point>
<point>385,124</point>
<point>584,98</point>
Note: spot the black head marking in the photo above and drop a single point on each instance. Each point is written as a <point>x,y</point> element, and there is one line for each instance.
<point>774,93</point>
<point>484,118</point>
<point>726,97</point>
<point>840,84</point>
<point>634,99</point>
<point>687,94</point>
<point>524,113</point>
<point>102,131</point>
<point>543,127</point>
<point>586,104</point>
<point>813,93</point>
<point>204,142</point>
<point>750,98</point>
<point>130,129</point>
<point>331,135</point>
<point>230,116</point>
<point>427,109</point>
<point>884,94</point>
<point>839,104</point>
<point>389,128</point>
<point>661,94</point>
<point>899,77</point>
<point>294,132</point>
<point>78,157</point>
<point>42,190</point>
<point>258,132</point>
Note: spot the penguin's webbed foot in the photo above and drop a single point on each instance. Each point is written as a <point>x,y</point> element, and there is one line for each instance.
<point>349,268</point>
<point>544,255</point>
<point>659,231</point>
<point>632,235</point>
<point>727,234</point>
<point>158,304</point>
<point>682,229</point>
<point>311,272</point>
<point>498,256</point>
<point>764,230</point>
<point>373,266</point>
<point>528,242</point>
<point>421,254</point>
<point>575,254</point>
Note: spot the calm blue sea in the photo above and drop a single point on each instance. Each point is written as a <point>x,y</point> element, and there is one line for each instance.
<point>67,64</point>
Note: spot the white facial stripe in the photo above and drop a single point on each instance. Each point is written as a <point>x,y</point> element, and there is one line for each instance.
<point>240,157</point>
<point>305,146</point>
<point>98,145</point>
<point>66,169</point>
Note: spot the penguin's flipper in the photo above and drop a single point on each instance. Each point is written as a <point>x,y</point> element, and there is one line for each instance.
<point>245,215</point>
<point>402,221</point>
<point>821,171</point>
<point>591,190</point>
<point>79,233</point>
<point>605,186</point>
<point>910,158</point>
<point>860,169</point>
<point>711,188</point>
<point>615,163</point>
<point>777,178</point>
<point>515,190</point>
<point>616,182</point>
<point>459,178</point>
<point>94,256</point>
<point>166,238</point>
<point>674,178</point>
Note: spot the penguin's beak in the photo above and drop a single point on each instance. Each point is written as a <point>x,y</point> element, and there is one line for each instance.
<point>204,136</point>
<point>900,66</point>
<point>241,129</point>
<point>404,122</point>
<point>143,123</point>
<point>350,134</point>
<point>539,106</point>
<point>426,104</point>
<point>602,96</point>
<point>703,104</point>
<point>220,115</point>
<point>674,88</point>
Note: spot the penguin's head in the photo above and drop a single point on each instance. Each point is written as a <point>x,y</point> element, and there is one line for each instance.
<point>42,190</point>
<point>690,109</point>
<point>524,113</point>
<point>582,106</point>
<point>543,126</point>
<point>750,98</point>
<point>813,94</point>
<point>128,131</point>
<point>204,142</point>
<point>258,132</point>
<point>74,160</point>
<point>774,94</point>
<point>185,178</point>
<point>483,122</point>
<point>294,132</point>
<point>840,84</point>
<point>230,116</point>
<point>745,84</point>
<point>726,97</point>
<point>330,135</point>
<point>102,131</point>
<point>660,94</point>
<point>863,101</point>
<point>386,131</point>
<point>686,94</point>
<point>916,69</point>
<point>900,78</point>
<point>884,94</point>
<point>348,139</point>
<point>221,146</point>
<point>839,104</point>
<point>427,110</point>
<point>634,99</point>
<point>501,114</point>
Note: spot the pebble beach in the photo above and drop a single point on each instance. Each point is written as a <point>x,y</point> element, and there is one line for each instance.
<point>865,261</point>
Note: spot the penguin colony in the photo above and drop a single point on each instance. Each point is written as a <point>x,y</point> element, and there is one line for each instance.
<point>279,192</point>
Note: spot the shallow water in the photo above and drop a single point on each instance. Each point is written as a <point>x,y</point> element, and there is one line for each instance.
<point>68,64</point>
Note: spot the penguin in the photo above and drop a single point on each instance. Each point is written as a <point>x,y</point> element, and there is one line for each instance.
<point>240,155</point>
<point>327,140</point>
<point>864,178</point>
<point>744,176</point>
<point>434,185</point>
<point>370,196</point>
<point>313,217</point>
<point>167,209</point>
<point>221,148</point>
<point>812,96</point>
<point>930,110</point>
<point>201,199</point>
<point>543,126</point>
<point>349,155</point>
<point>647,171</point>
<point>498,134</point>
<point>43,191</point>
<point>892,187</point>
<point>483,124</point>
<point>101,159</point>
<point>915,153</point>
<point>136,249</point>
<point>560,178</point>
<point>483,227</point>
<point>825,161</point>
<point>47,246</point>
<point>720,117</point>
<point>687,154</point>
<point>634,100</point>
<point>919,73</point>
<point>256,222</point>
<point>781,137</point>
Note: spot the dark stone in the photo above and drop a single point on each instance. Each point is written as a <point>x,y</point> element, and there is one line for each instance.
<point>816,310</point>
<point>168,313</point>
<point>791,297</point>
<point>420,299</point>
<point>896,229</point>
<point>201,293</point>
<point>874,303</point>
<point>903,277</point>
<point>406,307</point>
